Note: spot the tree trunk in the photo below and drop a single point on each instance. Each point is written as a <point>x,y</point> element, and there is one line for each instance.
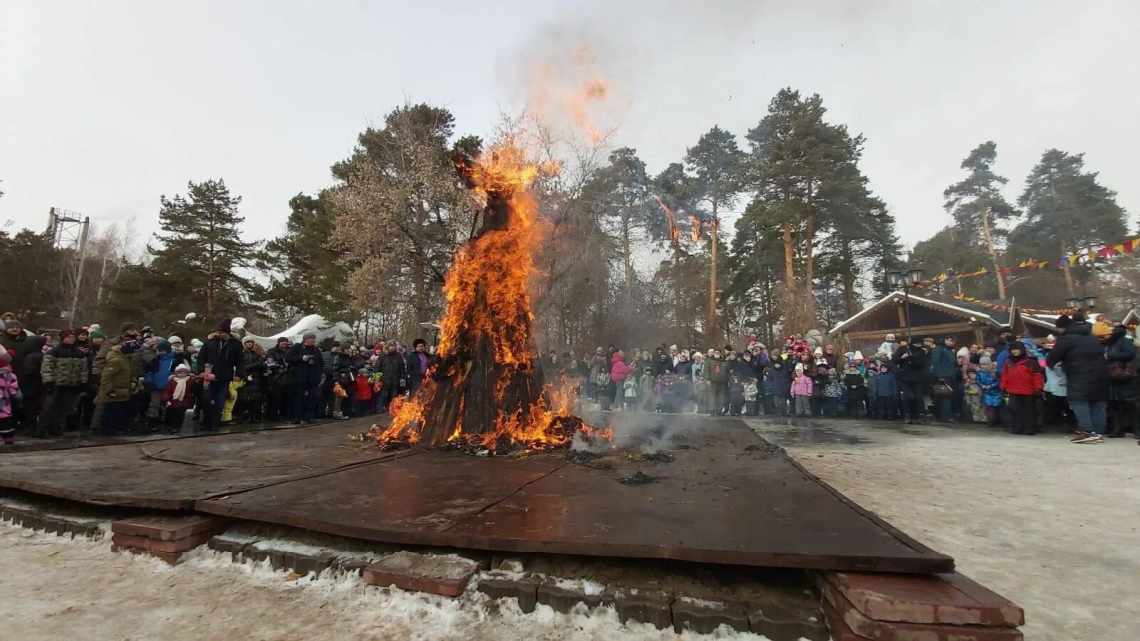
<point>712,332</point>
<point>789,259</point>
<point>849,301</point>
<point>988,235</point>
<point>627,254</point>
<point>808,303</point>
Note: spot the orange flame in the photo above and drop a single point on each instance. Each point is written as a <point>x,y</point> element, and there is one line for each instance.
<point>486,293</point>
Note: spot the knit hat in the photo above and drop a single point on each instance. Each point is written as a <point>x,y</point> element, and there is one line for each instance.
<point>174,340</point>
<point>282,339</point>
<point>858,356</point>
<point>799,368</point>
<point>196,343</point>
<point>182,367</point>
<point>890,338</point>
<point>985,360</point>
<point>309,335</point>
<point>97,333</point>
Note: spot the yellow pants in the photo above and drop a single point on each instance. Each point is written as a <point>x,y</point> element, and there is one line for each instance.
<point>231,398</point>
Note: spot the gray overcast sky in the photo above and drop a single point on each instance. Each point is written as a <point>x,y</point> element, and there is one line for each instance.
<point>106,105</point>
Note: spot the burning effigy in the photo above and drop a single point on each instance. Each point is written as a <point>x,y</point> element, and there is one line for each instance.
<point>486,391</point>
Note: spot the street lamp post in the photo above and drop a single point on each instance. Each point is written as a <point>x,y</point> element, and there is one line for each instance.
<point>906,280</point>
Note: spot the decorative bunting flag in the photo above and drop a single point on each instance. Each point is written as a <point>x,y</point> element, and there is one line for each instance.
<point>1083,257</point>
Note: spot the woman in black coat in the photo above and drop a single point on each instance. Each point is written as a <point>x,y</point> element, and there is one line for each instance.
<point>1082,357</point>
<point>1121,356</point>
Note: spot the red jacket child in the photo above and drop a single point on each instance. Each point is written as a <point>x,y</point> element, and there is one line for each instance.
<point>179,393</point>
<point>1021,375</point>
<point>363,388</point>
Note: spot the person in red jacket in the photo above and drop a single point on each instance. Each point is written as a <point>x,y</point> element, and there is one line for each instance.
<point>362,400</point>
<point>1023,380</point>
<point>178,397</point>
<point>618,372</point>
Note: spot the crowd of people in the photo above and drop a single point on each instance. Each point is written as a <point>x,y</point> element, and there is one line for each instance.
<point>1084,381</point>
<point>137,382</point>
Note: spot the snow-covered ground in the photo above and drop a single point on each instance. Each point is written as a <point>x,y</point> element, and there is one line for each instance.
<point>55,588</point>
<point>1053,526</point>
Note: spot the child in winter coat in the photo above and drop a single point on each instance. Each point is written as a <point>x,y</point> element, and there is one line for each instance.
<point>1023,379</point>
<point>177,397</point>
<point>885,392</point>
<point>802,391</point>
<point>629,391</point>
<point>819,382</point>
<point>832,393</point>
<point>856,391</point>
<point>752,397</point>
<point>645,394</point>
<point>362,400</point>
<point>735,395</point>
<point>9,394</point>
<point>987,381</point>
<point>975,407</point>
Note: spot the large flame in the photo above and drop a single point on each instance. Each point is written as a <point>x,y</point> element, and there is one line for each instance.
<point>486,293</point>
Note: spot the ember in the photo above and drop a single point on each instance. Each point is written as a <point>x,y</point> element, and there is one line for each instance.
<point>485,393</point>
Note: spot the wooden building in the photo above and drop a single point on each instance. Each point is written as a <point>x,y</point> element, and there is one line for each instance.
<point>935,317</point>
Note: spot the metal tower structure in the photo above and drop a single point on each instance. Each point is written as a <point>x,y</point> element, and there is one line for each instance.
<point>68,231</point>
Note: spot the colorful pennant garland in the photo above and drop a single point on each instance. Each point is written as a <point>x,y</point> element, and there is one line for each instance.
<point>1084,257</point>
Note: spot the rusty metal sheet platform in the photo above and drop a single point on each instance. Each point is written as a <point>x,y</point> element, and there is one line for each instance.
<point>173,473</point>
<point>720,494</point>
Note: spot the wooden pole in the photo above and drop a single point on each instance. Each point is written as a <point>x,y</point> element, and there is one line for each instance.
<point>711,332</point>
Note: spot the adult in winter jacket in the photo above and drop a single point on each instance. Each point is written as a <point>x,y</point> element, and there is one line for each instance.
<point>779,382</point>
<point>393,375</point>
<point>1022,379</point>
<point>31,381</point>
<point>305,367</point>
<point>911,370</point>
<point>619,371</point>
<point>64,375</point>
<point>220,363</point>
<point>1120,353</point>
<point>116,384</point>
<point>716,372</point>
<point>1086,375</point>
<point>251,396</point>
<point>277,380</point>
<point>944,369</point>
<point>17,343</point>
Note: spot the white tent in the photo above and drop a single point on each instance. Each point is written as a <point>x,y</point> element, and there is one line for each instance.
<point>338,331</point>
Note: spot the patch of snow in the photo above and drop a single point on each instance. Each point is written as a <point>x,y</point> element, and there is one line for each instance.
<point>208,596</point>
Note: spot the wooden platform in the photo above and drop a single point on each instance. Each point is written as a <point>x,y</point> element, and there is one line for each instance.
<point>727,496</point>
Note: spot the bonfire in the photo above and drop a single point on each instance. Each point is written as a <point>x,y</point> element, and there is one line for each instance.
<point>485,391</point>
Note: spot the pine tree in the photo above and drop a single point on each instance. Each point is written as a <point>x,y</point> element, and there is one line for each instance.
<point>201,251</point>
<point>306,275</point>
<point>1066,209</point>
<point>716,165</point>
<point>619,193</point>
<point>976,204</point>
<point>800,167</point>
